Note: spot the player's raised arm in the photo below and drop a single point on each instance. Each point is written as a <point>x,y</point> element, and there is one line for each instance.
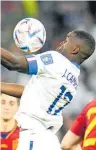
<point>12,62</point>
<point>12,89</point>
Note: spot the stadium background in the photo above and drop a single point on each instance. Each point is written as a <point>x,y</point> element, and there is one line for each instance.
<point>59,18</point>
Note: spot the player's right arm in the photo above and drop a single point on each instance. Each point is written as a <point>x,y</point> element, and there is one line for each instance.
<point>12,62</point>
<point>12,89</point>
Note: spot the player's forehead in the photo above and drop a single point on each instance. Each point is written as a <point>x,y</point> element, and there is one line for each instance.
<point>7,98</point>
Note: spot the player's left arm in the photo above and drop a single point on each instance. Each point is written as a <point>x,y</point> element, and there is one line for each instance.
<point>12,89</point>
<point>71,141</point>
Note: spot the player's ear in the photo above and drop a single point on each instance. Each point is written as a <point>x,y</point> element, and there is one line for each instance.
<point>76,49</point>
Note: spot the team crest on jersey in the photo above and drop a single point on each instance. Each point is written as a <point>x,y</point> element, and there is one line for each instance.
<point>47,59</point>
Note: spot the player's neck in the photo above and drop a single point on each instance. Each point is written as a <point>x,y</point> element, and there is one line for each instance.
<point>70,57</point>
<point>74,59</point>
<point>7,125</point>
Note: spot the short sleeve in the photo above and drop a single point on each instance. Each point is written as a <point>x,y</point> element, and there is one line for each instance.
<point>79,124</point>
<point>38,64</point>
<point>45,62</point>
<point>50,62</point>
<point>32,64</point>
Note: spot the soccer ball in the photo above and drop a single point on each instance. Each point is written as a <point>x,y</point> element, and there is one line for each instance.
<point>29,35</point>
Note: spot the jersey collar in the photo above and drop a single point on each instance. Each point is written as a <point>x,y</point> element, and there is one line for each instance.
<point>78,66</point>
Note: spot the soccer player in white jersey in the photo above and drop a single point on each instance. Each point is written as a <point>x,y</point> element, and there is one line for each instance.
<point>53,85</point>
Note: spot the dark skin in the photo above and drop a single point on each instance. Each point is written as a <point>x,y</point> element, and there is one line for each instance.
<point>12,62</point>
<point>71,48</point>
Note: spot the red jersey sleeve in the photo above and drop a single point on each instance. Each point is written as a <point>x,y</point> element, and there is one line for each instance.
<point>79,124</point>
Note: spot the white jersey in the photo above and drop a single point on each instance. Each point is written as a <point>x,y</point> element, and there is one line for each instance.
<point>52,87</point>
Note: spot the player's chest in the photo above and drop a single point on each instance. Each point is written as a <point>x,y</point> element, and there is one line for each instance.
<point>9,144</point>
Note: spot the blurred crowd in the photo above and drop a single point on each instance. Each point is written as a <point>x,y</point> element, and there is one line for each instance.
<point>59,18</point>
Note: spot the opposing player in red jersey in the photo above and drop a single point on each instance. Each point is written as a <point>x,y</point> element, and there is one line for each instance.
<point>84,128</point>
<point>9,132</point>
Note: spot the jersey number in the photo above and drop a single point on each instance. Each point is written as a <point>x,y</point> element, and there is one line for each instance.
<point>90,141</point>
<point>67,96</point>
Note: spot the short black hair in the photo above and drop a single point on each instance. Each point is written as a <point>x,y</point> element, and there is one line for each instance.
<point>88,39</point>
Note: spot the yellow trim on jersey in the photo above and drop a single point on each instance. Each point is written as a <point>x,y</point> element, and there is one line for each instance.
<point>3,145</point>
<point>14,144</point>
<point>91,111</point>
<point>12,131</point>
<point>90,127</point>
<point>89,142</point>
